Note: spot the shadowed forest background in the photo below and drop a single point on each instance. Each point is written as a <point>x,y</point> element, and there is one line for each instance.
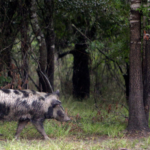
<point>81,47</point>
<point>96,52</point>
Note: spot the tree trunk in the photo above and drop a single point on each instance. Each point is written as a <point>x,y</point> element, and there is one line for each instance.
<point>42,46</point>
<point>8,31</point>
<point>146,66</point>
<point>50,41</point>
<point>126,79</point>
<point>24,43</point>
<point>147,80</point>
<point>137,118</point>
<point>81,77</point>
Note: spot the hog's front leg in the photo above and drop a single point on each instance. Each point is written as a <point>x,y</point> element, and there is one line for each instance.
<point>21,125</point>
<point>38,123</point>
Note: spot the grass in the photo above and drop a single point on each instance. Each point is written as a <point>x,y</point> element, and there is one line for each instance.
<point>91,128</point>
<point>71,143</point>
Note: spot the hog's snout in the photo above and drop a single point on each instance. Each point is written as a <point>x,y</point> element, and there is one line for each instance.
<point>59,114</point>
<point>67,119</point>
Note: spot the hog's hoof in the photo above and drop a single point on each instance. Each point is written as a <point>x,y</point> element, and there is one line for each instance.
<point>46,138</point>
<point>16,138</point>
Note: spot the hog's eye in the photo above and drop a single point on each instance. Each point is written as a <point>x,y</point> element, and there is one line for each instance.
<point>59,113</point>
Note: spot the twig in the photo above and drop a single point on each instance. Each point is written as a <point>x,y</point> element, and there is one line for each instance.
<point>34,83</point>
<point>45,77</point>
<point>1,50</point>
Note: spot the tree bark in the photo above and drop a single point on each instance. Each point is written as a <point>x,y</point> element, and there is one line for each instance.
<point>42,46</point>
<point>137,118</point>
<point>81,77</point>
<point>146,63</point>
<point>147,80</point>
<point>24,42</point>
<point>8,32</point>
<point>126,79</point>
<point>50,41</point>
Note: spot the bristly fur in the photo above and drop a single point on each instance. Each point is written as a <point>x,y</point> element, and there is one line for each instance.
<point>29,105</point>
<point>16,104</point>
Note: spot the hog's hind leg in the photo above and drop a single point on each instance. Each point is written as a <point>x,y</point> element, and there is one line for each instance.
<point>21,125</point>
<point>38,123</point>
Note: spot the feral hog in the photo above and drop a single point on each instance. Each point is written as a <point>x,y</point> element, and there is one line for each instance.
<point>28,105</point>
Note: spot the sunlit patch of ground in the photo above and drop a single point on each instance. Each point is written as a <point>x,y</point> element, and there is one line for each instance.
<point>75,143</point>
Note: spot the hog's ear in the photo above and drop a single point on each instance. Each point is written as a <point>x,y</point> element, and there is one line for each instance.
<point>57,93</point>
<point>55,102</point>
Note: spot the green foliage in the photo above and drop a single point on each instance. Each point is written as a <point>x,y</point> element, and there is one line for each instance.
<point>144,10</point>
<point>4,80</point>
<point>90,17</point>
<point>56,129</point>
<point>104,26</point>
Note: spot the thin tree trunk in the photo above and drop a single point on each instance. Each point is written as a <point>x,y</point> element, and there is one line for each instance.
<point>137,117</point>
<point>146,67</point>
<point>42,44</point>
<point>50,41</point>
<point>24,43</point>
<point>81,77</point>
<point>126,79</point>
<point>8,31</point>
<point>147,80</point>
